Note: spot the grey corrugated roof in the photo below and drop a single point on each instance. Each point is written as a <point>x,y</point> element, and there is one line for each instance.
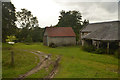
<point>107,31</point>
<point>94,26</point>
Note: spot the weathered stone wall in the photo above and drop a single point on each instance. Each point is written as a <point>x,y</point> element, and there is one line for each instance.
<point>62,41</point>
<point>45,40</point>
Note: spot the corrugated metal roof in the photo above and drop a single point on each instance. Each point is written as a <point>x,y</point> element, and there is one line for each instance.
<point>107,31</point>
<point>95,26</point>
<point>60,31</point>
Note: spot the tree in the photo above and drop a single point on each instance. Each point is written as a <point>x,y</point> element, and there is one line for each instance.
<point>72,19</point>
<point>27,22</point>
<point>25,19</point>
<point>8,20</point>
<point>85,22</point>
<point>22,34</point>
<point>28,39</point>
<point>37,34</point>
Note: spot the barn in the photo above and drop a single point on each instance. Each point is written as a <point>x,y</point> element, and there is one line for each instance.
<point>60,36</point>
<point>101,34</point>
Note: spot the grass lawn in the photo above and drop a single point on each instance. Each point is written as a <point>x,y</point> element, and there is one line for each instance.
<point>75,62</point>
<point>24,61</point>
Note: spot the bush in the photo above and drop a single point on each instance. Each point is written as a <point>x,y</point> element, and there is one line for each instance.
<point>100,51</point>
<point>112,51</point>
<point>116,54</point>
<point>89,48</point>
<point>52,45</point>
<point>28,39</point>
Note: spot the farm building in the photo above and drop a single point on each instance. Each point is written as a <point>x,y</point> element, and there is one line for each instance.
<point>60,36</point>
<point>101,34</point>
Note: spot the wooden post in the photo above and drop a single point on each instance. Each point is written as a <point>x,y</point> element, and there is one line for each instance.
<point>12,58</point>
<point>108,44</point>
<point>93,42</point>
<point>98,44</point>
<point>83,42</point>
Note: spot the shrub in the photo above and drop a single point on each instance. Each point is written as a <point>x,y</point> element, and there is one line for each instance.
<point>28,39</point>
<point>11,39</point>
<point>52,45</point>
<point>116,54</point>
<point>100,51</point>
<point>89,48</point>
<point>112,51</point>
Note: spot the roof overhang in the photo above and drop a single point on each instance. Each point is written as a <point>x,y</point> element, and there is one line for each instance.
<point>101,40</point>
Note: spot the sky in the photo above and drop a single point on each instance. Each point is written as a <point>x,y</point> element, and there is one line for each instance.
<point>48,11</point>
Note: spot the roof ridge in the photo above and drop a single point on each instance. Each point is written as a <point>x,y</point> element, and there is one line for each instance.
<point>105,22</point>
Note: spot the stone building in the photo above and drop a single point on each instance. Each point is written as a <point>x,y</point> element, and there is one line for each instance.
<point>60,36</point>
<point>103,33</point>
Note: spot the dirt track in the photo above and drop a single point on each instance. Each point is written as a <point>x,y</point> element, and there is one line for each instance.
<point>44,62</point>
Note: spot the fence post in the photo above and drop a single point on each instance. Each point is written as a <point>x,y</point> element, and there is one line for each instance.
<point>12,58</point>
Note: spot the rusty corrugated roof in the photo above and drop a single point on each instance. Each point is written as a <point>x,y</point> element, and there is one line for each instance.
<point>60,31</point>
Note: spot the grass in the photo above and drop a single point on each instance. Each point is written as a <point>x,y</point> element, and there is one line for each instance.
<point>75,62</point>
<point>23,61</point>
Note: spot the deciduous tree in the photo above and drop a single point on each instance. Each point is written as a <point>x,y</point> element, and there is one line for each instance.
<point>8,20</point>
<point>72,19</point>
<point>27,22</point>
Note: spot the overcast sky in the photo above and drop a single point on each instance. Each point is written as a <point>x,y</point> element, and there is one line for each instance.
<point>48,11</point>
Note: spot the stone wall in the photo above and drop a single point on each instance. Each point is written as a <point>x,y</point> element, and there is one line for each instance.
<point>45,40</point>
<point>62,41</point>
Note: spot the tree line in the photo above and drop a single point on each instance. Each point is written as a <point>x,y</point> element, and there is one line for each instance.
<point>21,24</point>
<point>25,26</point>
